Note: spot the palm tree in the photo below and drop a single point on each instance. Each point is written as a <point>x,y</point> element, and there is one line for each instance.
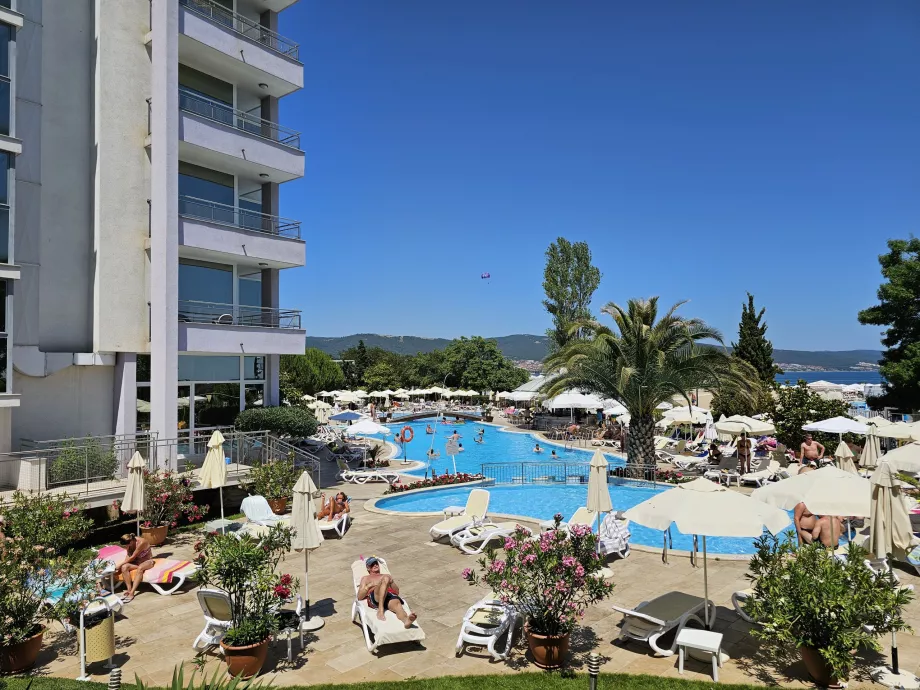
<point>645,362</point>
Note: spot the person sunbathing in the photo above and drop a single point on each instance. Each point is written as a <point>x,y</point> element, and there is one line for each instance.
<point>139,559</point>
<point>382,592</point>
<point>336,506</point>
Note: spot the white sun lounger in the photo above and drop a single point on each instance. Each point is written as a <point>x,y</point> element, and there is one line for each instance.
<point>482,534</point>
<point>761,477</point>
<point>652,619</point>
<point>257,511</point>
<point>686,463</point>
<point>738,599</point>
<point>338,525</point>
<point>484,624</point>
<point>383,632</point>
<point>582,516</point>
<point>365,476</point>
<point>477,507</point>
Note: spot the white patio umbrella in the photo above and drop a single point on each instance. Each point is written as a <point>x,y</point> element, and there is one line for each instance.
<point>737,423</point>
<point>346,397</point>
<point>615,410</point>
<point>401,396</point>
<point>707,509</point>
<point>598,495</point>
<point>307,536</point>
<point>319,405</point>
<point>324,394</point>
<point>837,425</point>
<point>903,459</point>
<point>308,398</point>
<point>133,501</point>
<point>214,471</point>
<point>664,406</point>
<point>685,415</point>
<point>360,393</point>
<point>897,430</point>
<point>366,427</point>
<point>844,457</point>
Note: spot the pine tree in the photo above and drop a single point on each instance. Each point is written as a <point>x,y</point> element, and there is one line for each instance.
<point>753,346</point>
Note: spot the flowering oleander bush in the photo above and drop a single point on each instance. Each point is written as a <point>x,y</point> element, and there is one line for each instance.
<point>438,480</point>
<point>244,568</point>
<point>273,479</point>
<point>672,477</point>
<point>652,474</point>
<point>36,585</point>
<point>551,580</point>
<point>167,497</point>
<point>53,520</point>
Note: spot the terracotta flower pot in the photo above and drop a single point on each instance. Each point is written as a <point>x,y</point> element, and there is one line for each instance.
<point>818,668</point>
<point>155,535</point>
<point>19,657</point>
<point>278,505</point>
<point>245,660</point>
<point>548,651</point>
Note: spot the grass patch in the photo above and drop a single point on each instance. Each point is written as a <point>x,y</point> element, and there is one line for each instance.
<point>518,681</point>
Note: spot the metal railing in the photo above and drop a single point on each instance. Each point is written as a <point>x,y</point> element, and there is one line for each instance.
<point>193,311</point>
<point>202,209</point>
<point>563,473</point>
<point>211,109</point>
<point>249,28</point>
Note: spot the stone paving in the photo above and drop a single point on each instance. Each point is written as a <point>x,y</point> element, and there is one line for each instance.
<point>154,633</point>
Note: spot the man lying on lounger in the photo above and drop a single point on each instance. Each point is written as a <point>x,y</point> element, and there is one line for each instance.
<point>382,593</point>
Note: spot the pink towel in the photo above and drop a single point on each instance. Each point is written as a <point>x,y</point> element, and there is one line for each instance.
<point>114,553</point>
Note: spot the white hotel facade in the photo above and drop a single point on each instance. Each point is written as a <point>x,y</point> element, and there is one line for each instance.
<point>140,236</point>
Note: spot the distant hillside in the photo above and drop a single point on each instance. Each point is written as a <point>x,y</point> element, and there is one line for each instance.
<point>534,347</point>
<point>513,346</point>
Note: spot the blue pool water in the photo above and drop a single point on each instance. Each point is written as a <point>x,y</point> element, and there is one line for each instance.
<point>542,502</point>
<point>497,446</point>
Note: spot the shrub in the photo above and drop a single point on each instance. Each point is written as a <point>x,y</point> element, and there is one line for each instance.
<point>244,568</point>
<point>806,597</point>
<point>273,479</point>
<point>167,497</point>
<point>51,520</point>
<point>75,464</point>
<point>283,421</point>
<point>551,580</point>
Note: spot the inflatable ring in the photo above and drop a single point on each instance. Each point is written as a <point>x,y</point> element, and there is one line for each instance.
<point>407,434</point>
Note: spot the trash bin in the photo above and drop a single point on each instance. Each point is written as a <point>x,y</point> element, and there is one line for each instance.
<point>98,636</point>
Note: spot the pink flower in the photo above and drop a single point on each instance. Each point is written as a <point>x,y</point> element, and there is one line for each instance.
<point>529,558</point>
<point>510,544</point>
<point>561,586</point>
<point>580,571</point>
<point>568,561</point>
<point>467,574</point>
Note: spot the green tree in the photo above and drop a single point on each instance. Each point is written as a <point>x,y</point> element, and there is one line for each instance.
<point>647,360</point>
<point>753,346</point>
<point>426,369</point>
<point>897,310</point>
<point>362,361</point>
<point>795,406</point>
<point>479,364</point>
<point>569,281</point>
<point>381,375</point>
<point>350,373</point>
<point>313,371</point>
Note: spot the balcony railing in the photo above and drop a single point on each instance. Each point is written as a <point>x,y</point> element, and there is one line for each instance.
<point>193,311</point>
<point>244,27</point>
<point>202,209</point>
<point>206,107</point>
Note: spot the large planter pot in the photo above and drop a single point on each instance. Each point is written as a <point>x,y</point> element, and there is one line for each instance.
<point>19,657</point>
<point>818,668</point>
<point>278,505</point>
<point>548,651</point>
<point>155,535</point>
<point>245,660</point>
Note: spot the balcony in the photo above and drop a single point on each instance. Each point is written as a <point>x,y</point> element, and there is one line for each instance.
<point>237,49</point>
<point>232,329</point>
<point>214,135</point>
<point>238,235</point>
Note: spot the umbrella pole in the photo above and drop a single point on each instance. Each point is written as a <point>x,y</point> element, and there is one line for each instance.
<point>223,525</point>
<point>306,581</point>
<point>706,586</point>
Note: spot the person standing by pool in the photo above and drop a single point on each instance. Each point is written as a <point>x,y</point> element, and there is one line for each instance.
<point>744,453</point>
<point>812,451</point>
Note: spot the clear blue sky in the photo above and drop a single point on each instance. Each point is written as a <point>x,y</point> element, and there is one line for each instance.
<point>701,149</point>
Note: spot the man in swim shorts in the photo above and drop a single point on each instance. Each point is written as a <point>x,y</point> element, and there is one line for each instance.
<point>382,593</point>
<point>812,451</point>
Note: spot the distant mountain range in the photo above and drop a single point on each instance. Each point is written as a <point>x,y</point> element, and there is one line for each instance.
<point>523,347</point>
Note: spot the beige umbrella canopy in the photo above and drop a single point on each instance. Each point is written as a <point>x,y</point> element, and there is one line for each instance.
<point>844,457</point>
<point>828,491</point>
<point>307,535</point>
<point>133,501</point>
<point>598,494</point>
<point>904,459</point>
<point>890,525</point>
<point>213,473</point>
<point>871,451</point>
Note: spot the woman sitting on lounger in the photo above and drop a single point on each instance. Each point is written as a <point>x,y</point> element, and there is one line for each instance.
<point>337,505</point>
<point>140,558</point>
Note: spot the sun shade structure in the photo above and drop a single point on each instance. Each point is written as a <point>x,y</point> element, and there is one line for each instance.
<point>133,501</point>
<point>737,423</point>
<point>686,415</point>
<point>707,509</point>
<point>307,535</point>
<point>837,425</point>
<point>214,471</point>
<point>366,427</point>
<point>844,457</point>
<point>903,459</point>
<point>891,532</point>
<point>828,491</point>
<point>573,400</point>
<point>346,416</point>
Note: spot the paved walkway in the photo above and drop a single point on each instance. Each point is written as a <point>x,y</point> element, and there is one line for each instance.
<point>155,633</point>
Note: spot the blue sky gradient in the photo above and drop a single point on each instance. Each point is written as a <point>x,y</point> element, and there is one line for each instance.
<point>701,149</point>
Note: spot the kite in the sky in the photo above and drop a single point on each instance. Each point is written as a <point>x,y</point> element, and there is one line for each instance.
<point>486,276</point>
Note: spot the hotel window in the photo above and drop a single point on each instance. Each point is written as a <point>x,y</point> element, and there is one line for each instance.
<point>4,337</point>
<point>5,173</point>
<point>6,39</point>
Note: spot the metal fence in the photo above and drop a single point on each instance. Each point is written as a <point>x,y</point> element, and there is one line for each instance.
<point>243,26</point>
<point>206,107</point>
<point>564,473</point>
<point>202,209</point>
<point>194,311</point>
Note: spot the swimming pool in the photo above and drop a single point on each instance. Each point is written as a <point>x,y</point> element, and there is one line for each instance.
<point>542,502</point>
<point>497,446</point>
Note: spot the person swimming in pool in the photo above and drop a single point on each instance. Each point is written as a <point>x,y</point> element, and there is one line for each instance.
<point>478,439</point>
<point>428,429</point>
<point>460,447</point>
<point>553,455</point>
<point>537,448</point>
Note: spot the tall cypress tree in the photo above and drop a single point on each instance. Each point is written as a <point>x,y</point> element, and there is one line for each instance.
<point>753,346</point>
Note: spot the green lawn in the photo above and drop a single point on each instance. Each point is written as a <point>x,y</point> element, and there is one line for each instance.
<point>520,681</point>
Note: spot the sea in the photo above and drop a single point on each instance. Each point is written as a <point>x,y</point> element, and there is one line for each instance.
<point>841,377</point>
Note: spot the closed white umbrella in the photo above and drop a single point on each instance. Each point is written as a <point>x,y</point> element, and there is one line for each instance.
<point>214,471</point>
<point>891,532</point>
<point>844,457</point>
<point>705,508</point>
<point>133,501</point>
<point>871,451</point>
<point>307,536</point>
<point>598,494</point>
